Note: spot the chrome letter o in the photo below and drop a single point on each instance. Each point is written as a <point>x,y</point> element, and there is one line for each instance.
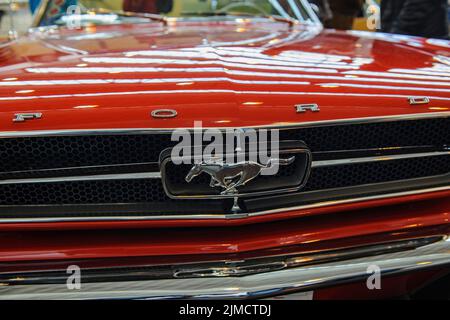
<point>164,113</point>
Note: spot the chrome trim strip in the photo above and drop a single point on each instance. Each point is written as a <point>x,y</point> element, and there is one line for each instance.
<point>158,175</point>
<point>122,176</point>
<point>225,267</point>
<point>310,124</point>
<point>353,200</point>
<point>327,163</point>
<point>221,217</point>
<point>100,167</point>
<point>273,283</point>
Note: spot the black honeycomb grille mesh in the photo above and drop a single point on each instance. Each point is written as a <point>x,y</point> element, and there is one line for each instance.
<point>435,132</point>
<point>105,192</point>
<point>83,192</point>
<point>376,172</point>
<point>151,191</point>
<point>35,153</point>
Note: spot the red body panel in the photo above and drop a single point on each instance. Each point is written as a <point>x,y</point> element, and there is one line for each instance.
<point>57,245</point>
<point>227,75</point>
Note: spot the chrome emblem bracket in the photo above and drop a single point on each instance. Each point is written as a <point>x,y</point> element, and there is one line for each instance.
<point>230,269</point>
<point>22,117</point>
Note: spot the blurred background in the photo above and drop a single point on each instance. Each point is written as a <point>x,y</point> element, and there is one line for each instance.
<point>369,15</point>
<point>14,15</point>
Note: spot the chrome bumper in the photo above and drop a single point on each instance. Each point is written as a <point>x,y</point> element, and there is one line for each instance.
<point>272,283</point>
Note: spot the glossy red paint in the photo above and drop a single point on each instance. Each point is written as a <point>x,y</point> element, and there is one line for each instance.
<point>308,247</point>
<point>60,245</point>
<point>225,74</point>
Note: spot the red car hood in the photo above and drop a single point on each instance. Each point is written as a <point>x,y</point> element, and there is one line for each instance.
<point>227,74</point>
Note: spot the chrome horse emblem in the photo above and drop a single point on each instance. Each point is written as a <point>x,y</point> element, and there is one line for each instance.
<point>232,176</point>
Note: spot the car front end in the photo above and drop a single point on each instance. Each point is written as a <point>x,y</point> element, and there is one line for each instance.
<point>93,105</point>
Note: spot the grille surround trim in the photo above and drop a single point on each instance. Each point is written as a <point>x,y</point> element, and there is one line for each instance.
<point>367,120</point>
<point>299,148</point>
<point>223,217</point>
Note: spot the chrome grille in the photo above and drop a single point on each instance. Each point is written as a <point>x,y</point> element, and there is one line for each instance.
<point>101,174</point>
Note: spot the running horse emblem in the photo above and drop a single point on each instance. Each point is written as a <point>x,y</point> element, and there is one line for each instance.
<point>231,176</point>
